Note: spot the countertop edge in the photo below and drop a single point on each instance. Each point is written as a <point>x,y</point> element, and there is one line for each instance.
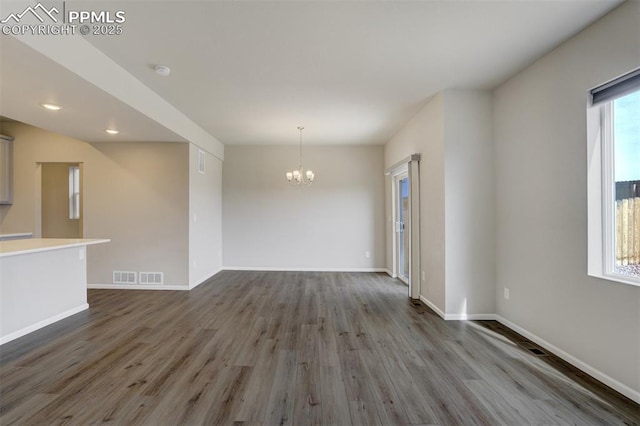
<point>86,242</point>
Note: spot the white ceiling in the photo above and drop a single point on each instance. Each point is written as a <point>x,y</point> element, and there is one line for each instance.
<point>350,72</point>
<point>29,79</point>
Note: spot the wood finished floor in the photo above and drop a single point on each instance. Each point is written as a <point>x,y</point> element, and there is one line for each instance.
<point>270,348</point>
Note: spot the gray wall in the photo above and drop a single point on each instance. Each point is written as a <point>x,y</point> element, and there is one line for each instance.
<point>136,194</point>
<point>330,225</point>
<point>541,188</point>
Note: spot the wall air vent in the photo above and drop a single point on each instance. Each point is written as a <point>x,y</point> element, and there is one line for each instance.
<point>124,277</point>
<point>151,278</point>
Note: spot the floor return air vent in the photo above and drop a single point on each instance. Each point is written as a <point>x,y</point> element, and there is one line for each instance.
<point>124,277</point>
<point>151,277</point>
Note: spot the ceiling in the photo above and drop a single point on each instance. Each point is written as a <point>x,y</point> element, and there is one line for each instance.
<point>28,79</point>
<point>250,72</point>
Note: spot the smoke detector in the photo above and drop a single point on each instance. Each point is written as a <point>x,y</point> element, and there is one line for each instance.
<point>162,70</point>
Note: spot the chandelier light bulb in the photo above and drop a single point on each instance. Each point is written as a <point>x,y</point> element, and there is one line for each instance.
<point>299,176</point>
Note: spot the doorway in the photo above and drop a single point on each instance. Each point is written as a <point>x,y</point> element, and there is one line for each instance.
<point>402,226</point>
<point>405,211</point>
<point>61,200</point>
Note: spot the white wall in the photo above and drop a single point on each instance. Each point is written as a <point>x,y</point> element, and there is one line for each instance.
<point>330,225</point>
<point>37,289</point>
<point>136,194</point>
<point>540,165</point>
<point>469,203</point>
<point>424,134</point>
<point>205,217</point>
<point>452,132</point>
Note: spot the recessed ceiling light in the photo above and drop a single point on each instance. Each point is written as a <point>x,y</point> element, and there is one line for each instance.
<point>162,70</point>
<point>52,107</point>
<point>112,131</point>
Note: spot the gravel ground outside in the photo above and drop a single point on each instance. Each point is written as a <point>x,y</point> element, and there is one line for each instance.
<point>633,270</point>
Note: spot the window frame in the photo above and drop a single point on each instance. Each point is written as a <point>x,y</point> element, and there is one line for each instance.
<point>74,192</point>
<point>600,194</point>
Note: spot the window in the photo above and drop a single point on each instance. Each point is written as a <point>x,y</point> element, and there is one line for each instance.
<point>74,192</point>
<point>614,180</point>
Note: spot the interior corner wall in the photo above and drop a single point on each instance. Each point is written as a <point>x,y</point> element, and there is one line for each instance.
<point>330,225</point>
<point>469,203</point>
<point>133,193</point>
<point>205,216</point>
<point>424,134</point>
<point>388,224</point>
<point>540,133</point>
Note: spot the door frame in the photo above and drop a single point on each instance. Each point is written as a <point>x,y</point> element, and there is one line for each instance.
<point>38,195</point>
<point>412,165</point>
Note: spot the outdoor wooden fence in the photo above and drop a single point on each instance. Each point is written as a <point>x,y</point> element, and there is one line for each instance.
<point>628,223</point>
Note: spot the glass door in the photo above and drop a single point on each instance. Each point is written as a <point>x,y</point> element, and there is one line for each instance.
<point>402,227</point>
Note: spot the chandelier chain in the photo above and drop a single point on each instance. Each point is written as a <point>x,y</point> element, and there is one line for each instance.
<point>301,129</point>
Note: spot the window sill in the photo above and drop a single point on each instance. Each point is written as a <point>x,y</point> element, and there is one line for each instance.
<point>622,279</point>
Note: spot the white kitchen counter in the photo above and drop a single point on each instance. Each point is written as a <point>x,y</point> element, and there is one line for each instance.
<point>42,280</point>
<point>34,245</point>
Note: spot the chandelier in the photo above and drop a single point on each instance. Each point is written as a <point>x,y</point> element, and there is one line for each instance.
<point>300,176</point>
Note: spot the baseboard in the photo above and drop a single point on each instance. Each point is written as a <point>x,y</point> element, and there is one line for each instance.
<point>391,274</point>
<point>43,323</point>
<point>456,317</point>
<point>136,287</point>
<point>591,371</point>
<point>301,269</point>
<point>469,317</point>
<point>205,278</point>
<point>432,306</point>
<point>149,286</point>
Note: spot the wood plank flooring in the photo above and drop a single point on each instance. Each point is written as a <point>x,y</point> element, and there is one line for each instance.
<point>275,348</point>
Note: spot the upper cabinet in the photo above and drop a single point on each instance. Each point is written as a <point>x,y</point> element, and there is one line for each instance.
<point>6,169</point>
